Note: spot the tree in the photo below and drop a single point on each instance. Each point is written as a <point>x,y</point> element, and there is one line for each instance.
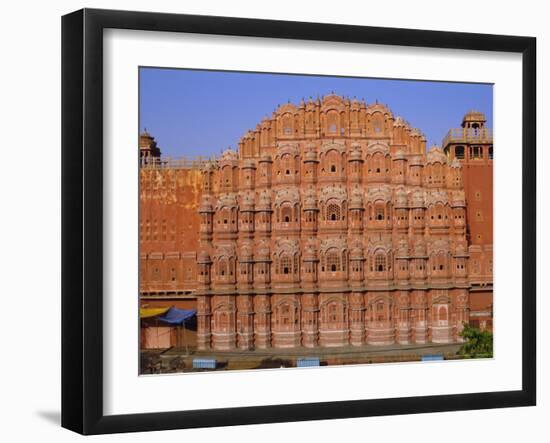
<point>478,344</point>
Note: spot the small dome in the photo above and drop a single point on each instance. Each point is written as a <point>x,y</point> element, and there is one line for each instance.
<point>265,158</point>
<point>229,155</point>
<point>356,253</point>
<point>246,202</point>
<point>418,200</point>
<point>401,198</point>
<point>246,253</point>
<point>399,122</point>
<point>461,250</point>
<point>435,155</point>
<point>458,199</point>
<point>310,199</point>
<point>399,155</point>
<point>474,116</point>
<point>227,200</point>
<point>355,153</point>
<point>420,248</point>
<point>310,252</point>
<point>209,165</point>
<point>378,107</point>
<point>262,253</point>
<point>203,258</point>
<point>402,248</point>
<point>206,204</point>
<point>310,155</point>
<point>249,164</point>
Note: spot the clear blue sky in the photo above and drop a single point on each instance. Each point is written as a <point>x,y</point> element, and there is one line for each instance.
<point>202,112</point>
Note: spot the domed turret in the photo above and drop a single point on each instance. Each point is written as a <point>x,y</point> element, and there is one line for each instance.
<point>474,119</point>
<point>203,258</point>
<point>148,149</point>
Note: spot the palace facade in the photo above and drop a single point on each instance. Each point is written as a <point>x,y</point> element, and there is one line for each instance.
<point>330,226</point>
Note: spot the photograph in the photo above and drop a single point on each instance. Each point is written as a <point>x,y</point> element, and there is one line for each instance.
<point>292,220</point>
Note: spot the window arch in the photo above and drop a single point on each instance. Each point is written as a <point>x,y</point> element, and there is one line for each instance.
<point>380,262</point>
<point>287,163</point>
<point>333,212</point>
<point>285,265</point>
<point>442,313</point>
<point>222,267</point>
<point>227,175</point>
<point>377,122</point>
<point>379,212</point>
<point>287,124</point>
<point>332,122</point>
<point>333,261</point>
<point>286,214</point>
<point>332,161</point>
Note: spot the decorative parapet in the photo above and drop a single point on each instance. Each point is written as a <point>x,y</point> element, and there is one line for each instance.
<point>468,135</point>
<point>197,162</point>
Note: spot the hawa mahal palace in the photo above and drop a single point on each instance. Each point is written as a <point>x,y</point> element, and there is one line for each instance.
<point>331,225</point>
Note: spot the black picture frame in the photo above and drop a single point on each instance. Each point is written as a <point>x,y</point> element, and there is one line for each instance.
<point>82,219</point>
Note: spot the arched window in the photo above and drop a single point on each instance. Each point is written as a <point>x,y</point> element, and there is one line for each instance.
<point>378,123</point>
<point>227,174</point>
<point>286,265</point>
<point>332,122</point>
<point>333,261</point>
<point>287,164</point>
<point>333,212</point>
<point>333,312</point>
<point>222,267</point>
<point>287,125</point>
<point>379,212</point>
<point>380,263</point>
<point>286,214</point>
<point>442,313</point>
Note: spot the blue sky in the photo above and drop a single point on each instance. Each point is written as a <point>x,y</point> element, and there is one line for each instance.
<point>193,112</point>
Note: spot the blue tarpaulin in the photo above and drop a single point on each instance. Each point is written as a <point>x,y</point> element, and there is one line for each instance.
<point>432,357</point>
<point>175,316</point>
<point>307,362</point>
<point>204,363</point>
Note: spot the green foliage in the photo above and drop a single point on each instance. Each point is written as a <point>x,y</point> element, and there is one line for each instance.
<point>478,344</point>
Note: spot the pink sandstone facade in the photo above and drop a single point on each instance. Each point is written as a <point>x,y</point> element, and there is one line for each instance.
<point>330,226</point>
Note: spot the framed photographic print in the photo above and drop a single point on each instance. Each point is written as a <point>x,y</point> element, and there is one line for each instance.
<point>270,221</point>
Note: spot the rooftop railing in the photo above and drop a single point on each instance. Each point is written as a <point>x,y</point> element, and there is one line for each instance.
<point>175,163</point>
<point>468,135</point>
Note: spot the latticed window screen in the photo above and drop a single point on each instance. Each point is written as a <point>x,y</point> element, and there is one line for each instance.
<point>333,261</point>
<point>287,164</point>
<point>222,267</point>
<point>286,213</point>
<point>379,213</point>
<point>286,265</point>
<point>333,212</point>
<point>380,263</point>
